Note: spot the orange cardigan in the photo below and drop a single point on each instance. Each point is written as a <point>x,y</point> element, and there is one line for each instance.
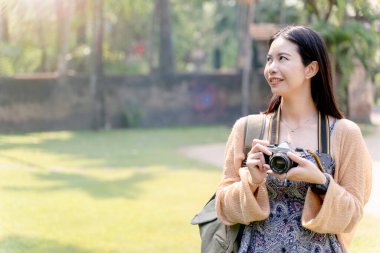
<point>238,200</point>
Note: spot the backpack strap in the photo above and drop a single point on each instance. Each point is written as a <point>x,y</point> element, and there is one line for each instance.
<point>254,129</point>
<point>212,231</point>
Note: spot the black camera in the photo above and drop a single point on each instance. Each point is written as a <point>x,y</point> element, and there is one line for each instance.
<point>279,161</point>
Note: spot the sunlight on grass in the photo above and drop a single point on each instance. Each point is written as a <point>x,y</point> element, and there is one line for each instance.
<point>117,191</point>
<point>111,192</point>
<point>48,160</point>
<point>35,138</point>
<point>106,211</point>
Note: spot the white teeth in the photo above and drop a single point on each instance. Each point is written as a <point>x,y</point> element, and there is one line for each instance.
<point>275,80</point>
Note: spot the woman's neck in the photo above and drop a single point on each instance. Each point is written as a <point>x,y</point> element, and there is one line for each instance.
<point>295,111</point>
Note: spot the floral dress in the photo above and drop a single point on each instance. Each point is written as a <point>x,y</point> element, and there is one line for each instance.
<point>282,231</point>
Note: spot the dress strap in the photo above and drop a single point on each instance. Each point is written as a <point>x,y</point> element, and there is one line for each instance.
<point>323,133</point>
<point>332,126</point>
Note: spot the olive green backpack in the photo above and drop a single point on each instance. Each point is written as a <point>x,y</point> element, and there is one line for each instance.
<point>217,237</point>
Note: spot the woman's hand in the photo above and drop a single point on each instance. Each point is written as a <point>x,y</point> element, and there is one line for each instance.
<point>306,171</point>
<point>256,161</point>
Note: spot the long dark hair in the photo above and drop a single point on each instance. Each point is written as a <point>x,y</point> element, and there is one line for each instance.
<point>311,47</point>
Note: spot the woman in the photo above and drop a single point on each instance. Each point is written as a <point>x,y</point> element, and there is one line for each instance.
<point>316,204</point>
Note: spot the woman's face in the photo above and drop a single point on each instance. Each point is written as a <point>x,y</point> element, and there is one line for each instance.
<point>284,70</point>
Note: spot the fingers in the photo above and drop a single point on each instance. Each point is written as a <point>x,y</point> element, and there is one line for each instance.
<point>296,158</point>
<point>267,167</point>
<point>255,157</point>
<point>255,160</point>
<point>260,146</point>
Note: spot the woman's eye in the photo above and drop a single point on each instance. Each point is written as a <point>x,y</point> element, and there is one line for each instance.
<point>269,59</point>
<point>283,58</point>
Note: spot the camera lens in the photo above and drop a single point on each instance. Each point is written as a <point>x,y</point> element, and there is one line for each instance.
<point>280,163</point>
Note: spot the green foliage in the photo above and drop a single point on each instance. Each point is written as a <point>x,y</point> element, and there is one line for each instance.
<point>350,33</point>
<point>348,41</point>
<point>127,27</point>
<point>132,114</point>
<point>268,12</point>
<point>15,59</point>
<point>30,32</point>
<point>377,88</point>
<point>200,27</point>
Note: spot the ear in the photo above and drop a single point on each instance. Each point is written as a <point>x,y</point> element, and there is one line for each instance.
<point>311,69</point>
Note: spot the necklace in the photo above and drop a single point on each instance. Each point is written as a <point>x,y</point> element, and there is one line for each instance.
<point>293,130</point>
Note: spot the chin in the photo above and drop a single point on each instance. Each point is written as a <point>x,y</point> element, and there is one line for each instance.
<point>277,91</point>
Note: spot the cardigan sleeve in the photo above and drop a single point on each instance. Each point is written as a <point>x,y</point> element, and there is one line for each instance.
<point>238,200</point>
<point>348,191</point>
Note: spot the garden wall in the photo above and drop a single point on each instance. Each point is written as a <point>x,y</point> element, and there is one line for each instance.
<point>48,103</point>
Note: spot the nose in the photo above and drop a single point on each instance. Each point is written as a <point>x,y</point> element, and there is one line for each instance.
<point>272,67</point>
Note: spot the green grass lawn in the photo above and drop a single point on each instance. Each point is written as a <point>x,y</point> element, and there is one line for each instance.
<point>119,191</point>
<point>112,191</point>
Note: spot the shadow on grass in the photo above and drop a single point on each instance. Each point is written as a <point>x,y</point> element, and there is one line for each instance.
<point>18,244</point>
<point>115,148</point>
<point>126,187</point>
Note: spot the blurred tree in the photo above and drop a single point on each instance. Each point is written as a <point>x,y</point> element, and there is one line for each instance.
<point>97,38</point>
<point>41,41</point>
<point>127,36</point>
<point>64,11</point>
<point>4,24</point>
<point>4,35</point>
<point>100,120</point>
<point>201,28</point>
<point>81,22</point>
<point>276,11</point>
<point>192,29</point>
<point>166,54</point>
<point>204,34</point>
<point>81,48</point>
<point>349,29</point>
<point>27,22</point>
<point>245,52</point>
<point>224,36</point>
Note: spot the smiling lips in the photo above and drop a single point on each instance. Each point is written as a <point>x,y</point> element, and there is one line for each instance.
<point>274,81</point>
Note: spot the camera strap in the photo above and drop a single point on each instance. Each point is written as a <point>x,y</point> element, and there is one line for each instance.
<point>323,131</point>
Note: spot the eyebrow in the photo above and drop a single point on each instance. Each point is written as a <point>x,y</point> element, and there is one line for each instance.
<point>281,53</point>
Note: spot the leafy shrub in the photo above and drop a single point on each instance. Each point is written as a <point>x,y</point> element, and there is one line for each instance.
<point>132,114</point>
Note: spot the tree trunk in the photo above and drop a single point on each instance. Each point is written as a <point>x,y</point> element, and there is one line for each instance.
<point>4,24</point>
<point>42,43</point>
<point>97,42</point>
<point>151,35</point>
<point>282,13</point>
<point>81,16</point>
<point>247,60</point>
<point>96,82</point>
<point>41,39</point>
<point>64,12</point>
<point>242,30</point>
<point>166,58</point>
